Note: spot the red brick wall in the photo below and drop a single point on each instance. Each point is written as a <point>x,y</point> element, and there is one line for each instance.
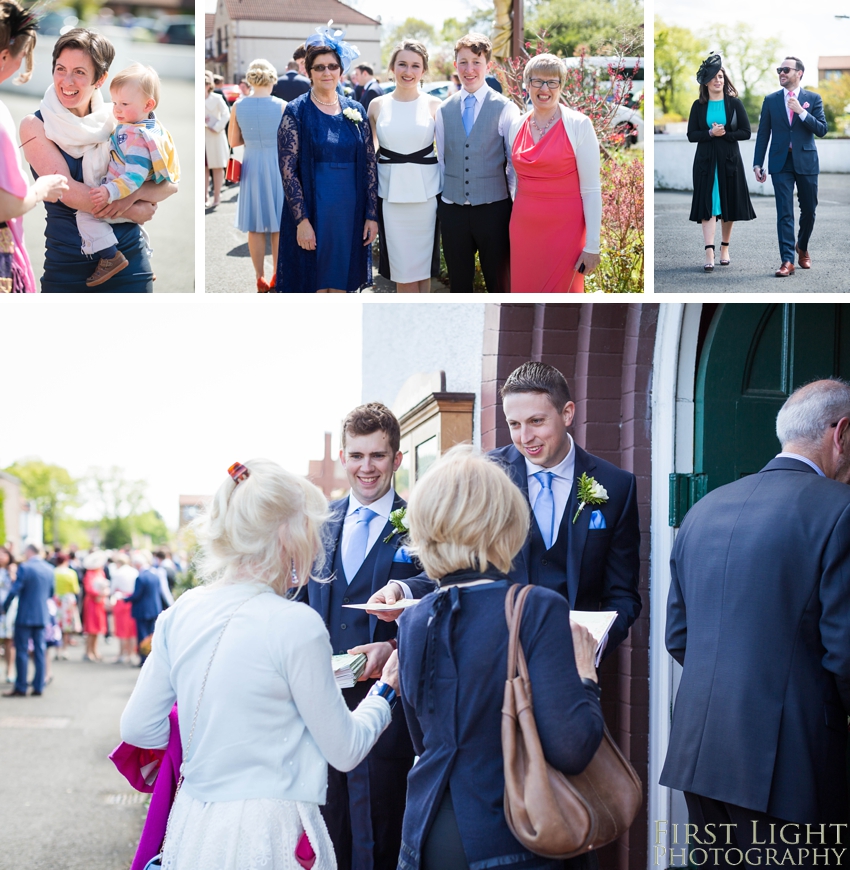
<point>605,351</point>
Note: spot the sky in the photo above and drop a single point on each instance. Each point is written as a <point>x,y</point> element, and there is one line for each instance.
<point>808,31</point>
<point>395,11</point>
<point>175,394</point>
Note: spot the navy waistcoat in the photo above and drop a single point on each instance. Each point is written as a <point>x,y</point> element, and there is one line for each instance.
<point>349,628</point>
<point>549,567</point>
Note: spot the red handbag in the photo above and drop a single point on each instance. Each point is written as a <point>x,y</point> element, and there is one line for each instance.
<point>234,170</point>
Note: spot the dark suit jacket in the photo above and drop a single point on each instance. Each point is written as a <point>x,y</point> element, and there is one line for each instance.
<point>759,617</point>
<point>33,586</point>
<point>291,85</point>
<point>369,92</point>
<point>146,599</point>
<point>603,565</point>
<point>799,136</point>
<point>318,593</point>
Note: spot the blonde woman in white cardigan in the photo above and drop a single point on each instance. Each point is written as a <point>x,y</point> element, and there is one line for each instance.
<point>557,211</point>
<point>216,116</point>
<point>260,713</point>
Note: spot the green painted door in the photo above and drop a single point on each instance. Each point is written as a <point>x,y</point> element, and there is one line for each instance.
<point>753,357</point>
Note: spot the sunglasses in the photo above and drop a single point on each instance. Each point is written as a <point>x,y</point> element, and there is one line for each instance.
<point>779,69</point>
<point>321,67</point>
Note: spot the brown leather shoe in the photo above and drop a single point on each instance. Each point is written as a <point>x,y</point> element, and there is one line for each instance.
<point>106,269</point>
<point>803,259</point>
<point>785,270</point>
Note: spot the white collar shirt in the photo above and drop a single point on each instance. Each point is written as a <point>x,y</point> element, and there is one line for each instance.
<point>795,93</point>
<point>562,483</point>
<point>801,459</point>
<point>382,508</point>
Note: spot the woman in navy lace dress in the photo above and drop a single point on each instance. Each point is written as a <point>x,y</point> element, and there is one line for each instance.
<point>327,162</point>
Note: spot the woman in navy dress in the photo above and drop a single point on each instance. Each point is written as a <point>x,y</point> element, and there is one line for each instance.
<point>467,522</point>
<point>327,163</point>
<point>81,60</point>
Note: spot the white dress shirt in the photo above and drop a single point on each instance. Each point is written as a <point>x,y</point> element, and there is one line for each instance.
<point>509,114</point>
<point>801,459</point>
<point>795,93</point>
<point>562,483</point>
<point>271,718</point>
<point>382,507</point>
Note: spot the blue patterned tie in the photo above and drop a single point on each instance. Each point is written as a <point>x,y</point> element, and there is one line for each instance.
<point>544,507</point>
<point>468,113</point>
<point>355,553</point>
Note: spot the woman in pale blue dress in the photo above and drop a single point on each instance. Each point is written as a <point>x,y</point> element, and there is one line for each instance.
<point>253,123</point>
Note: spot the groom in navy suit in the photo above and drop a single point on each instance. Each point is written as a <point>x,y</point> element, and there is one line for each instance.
<point>365,807</point>
<point>758,615</point>
<point>590,556</point>
<point>790,120</point>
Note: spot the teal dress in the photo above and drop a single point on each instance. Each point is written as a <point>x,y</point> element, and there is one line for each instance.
<point>715,114</point>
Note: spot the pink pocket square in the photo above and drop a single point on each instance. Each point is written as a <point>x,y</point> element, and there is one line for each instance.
<point>805,105</point>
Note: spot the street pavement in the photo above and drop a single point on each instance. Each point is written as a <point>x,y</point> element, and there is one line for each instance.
<point>172,230</point>
<point>754,251</point>
<point>228,262</point>
<point>62,802</point>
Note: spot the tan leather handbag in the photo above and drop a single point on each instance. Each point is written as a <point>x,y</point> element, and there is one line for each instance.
<point>550,813</point>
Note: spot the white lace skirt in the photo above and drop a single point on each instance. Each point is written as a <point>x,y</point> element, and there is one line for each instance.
<point>258,834</point>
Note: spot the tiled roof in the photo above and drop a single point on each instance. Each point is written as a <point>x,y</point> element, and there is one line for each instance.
<point>209,20</point>
<point>296,10</point>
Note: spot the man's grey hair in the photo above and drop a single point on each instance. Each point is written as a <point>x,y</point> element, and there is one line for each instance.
<point>811,409</point>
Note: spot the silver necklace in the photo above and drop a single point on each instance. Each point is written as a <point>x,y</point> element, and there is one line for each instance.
<point>548,125</point>
<point>322,102</point>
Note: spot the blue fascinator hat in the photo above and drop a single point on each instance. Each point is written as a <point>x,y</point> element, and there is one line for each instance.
<point>333,38</point>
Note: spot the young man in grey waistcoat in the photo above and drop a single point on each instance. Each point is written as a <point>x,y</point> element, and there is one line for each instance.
<point>472,129</point>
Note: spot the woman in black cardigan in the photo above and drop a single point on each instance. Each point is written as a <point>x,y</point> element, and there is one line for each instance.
<point>717,123</point>
<point>467,522</point>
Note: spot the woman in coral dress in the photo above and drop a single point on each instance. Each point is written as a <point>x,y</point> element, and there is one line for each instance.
<point>96,587</point>
<point>557,212</point>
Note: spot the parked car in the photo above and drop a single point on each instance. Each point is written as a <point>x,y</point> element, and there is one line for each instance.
<point>436,89</point>
<point>177,30</point>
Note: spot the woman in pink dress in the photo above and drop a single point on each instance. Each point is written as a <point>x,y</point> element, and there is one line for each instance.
<point>557,212</point>
<point>96,587</point>
<point>17,41</point>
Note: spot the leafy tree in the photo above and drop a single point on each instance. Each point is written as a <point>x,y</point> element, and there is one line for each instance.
<point>750,58</point>
<point>117,533</point>
<point>678,54</point>
<point>50,487</point>
<point>117,496</point>
<point>836,101</point>
<point>410,28</point>
<point>152,524</point>
<point>575,27</point>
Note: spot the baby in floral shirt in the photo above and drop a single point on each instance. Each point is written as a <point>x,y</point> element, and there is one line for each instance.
<point>141,150</point>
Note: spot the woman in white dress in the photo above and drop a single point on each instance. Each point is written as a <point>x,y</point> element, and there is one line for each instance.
<point>260,714</point>
<point>408,173</point>
<point>216,116</point>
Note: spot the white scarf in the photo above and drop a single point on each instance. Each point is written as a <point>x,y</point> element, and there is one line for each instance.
<point>86,137</point>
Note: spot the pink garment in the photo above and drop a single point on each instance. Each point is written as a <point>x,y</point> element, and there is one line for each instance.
<point>13,181</point>
<point>139,767</point>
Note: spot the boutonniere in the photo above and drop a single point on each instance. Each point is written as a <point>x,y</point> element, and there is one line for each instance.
<point>398,517</point>
<point>589,492</point>
<point>356,117</point>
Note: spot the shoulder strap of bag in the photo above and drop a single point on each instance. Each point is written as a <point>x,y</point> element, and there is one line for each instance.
<point>514,603</point>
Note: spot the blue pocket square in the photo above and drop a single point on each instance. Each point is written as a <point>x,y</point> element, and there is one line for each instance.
<point>401,555</point>
<point>597,521</point>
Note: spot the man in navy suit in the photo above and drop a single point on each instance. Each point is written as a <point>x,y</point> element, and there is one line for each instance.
<point>367,87</point>
<point>365,807</point>
<point>758,615</point>
<point>146,601</point>
<point>32,587</point>
<point>790,119</point>
<point>590,556</point>
<point>291,84</point>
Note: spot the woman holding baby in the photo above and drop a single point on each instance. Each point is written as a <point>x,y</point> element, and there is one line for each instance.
<point>73,121</point>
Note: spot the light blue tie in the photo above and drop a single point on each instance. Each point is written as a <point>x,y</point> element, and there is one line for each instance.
<point>544,507</point>
<point>355,553</point>
<point>468,113</point>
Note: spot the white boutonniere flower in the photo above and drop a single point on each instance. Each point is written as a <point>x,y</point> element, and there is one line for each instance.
<point>398,517</point>
<point>590,491</point>
<point>352,115</point>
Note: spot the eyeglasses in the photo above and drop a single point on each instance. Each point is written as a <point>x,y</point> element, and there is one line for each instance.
<point>779,69</point>
<point>321,67</point>
<point>553,85</point>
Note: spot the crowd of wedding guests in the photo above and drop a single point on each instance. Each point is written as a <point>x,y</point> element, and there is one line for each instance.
<point>331,163</point>
<point>48,602</point>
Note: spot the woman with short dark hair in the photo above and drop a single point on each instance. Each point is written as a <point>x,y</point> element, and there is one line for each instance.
<point>718,121</point>
<point>327,163</point>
